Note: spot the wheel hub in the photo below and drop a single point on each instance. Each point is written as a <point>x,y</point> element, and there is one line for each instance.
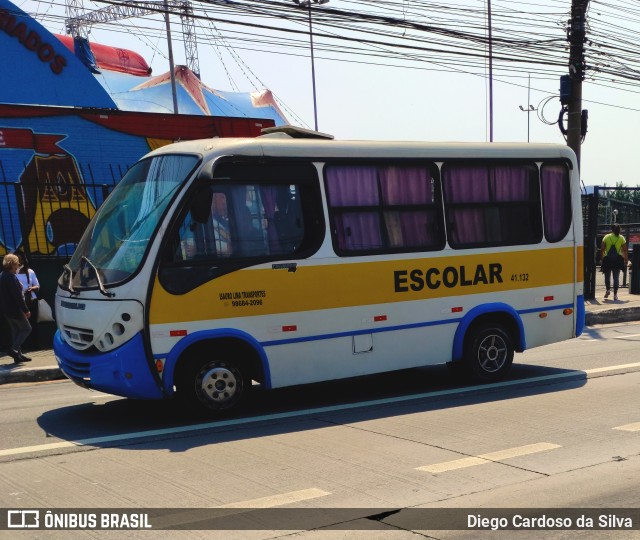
<point>492,353</point>
<point>219,384</point>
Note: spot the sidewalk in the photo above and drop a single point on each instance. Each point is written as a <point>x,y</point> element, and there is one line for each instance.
<point>45,368</point>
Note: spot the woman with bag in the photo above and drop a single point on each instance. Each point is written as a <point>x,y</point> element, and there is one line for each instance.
<point>13,307</point>
<point>30,288</point>
<point>614,258</point>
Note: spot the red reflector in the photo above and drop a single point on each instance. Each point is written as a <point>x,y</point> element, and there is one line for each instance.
<point>379,318</point>
<point>291,328</point>
<point>548,298</point>
<point>456,309</point>
<point>177,333</point>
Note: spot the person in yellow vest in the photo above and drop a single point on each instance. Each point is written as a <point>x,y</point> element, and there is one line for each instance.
<point>614,258</point>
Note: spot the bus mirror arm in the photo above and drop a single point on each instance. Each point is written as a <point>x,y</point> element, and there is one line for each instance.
<point>98,279</point>
<point>67,269</point>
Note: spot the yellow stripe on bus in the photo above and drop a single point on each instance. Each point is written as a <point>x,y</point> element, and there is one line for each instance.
<point>347,283</point>
<point>580,264</point>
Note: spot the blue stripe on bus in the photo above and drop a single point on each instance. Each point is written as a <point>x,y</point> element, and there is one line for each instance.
<point>486,308</point>
<point>203,335</point>
<point>355,333</point>
<point>173,355</point>
<point>580,315</point>
<point>540,310</point>
<point>478,311</point>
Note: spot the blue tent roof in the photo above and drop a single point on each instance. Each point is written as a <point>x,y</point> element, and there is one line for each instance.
<point>42,70</point>
<point>154,94</point>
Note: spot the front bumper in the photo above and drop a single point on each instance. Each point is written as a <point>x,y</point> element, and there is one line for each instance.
<point>124,371</point>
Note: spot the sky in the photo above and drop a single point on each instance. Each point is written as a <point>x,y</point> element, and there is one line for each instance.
<point>376,91</point>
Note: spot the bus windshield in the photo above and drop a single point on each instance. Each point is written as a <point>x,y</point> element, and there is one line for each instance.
<point>113,246</point>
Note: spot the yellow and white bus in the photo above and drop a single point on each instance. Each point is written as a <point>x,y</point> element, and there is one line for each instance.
<point>293,258</point>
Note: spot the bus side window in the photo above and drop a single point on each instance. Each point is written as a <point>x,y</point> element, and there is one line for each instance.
<point>218,232</point>
<point>491,204</point>
<point>249,240</point>
<point>556,201</point>
<point>202,233</point>
<point>384,208</point>
<point>287,219</point>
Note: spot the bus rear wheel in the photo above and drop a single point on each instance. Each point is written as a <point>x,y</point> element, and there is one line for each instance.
<point>488,353</point>
<point>213,385</point>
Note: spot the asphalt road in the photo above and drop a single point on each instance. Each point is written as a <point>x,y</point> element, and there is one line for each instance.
<point>563,432</point>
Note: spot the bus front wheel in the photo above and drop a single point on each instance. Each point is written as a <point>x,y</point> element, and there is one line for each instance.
<point>488,353</point>
<point>213,385</point>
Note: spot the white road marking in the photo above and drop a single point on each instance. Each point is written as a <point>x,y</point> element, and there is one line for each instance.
<point>629,427</point>
<point>595,371</point>
<point>623,336</point>
<point>40,448</point>
<point>189,517</point>
<point>279,500</point>
<point>195,428</point>
<point>491,457</point>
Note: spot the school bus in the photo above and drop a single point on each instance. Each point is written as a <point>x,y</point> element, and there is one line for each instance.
<point>294,258</point>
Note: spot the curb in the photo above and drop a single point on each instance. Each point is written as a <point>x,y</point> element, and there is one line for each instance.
<point>610,316</point>
<point>25,374</point>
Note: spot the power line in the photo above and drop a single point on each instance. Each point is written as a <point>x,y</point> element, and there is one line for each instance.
<point>417,34</point>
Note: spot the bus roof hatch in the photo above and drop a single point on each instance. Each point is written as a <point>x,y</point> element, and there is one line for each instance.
<point>295,132</point>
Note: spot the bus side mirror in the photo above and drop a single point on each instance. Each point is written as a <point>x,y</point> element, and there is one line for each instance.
<point>201,206</point>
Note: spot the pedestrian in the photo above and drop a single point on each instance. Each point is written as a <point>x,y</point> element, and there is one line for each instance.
<point>30,288</point>
<point>13,307</point>
<point>614,258</point>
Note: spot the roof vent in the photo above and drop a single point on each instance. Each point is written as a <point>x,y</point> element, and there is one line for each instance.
<point>296,132</point>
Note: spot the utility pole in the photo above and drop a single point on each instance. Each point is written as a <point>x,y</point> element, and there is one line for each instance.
<point>490,71</point>
<point>576,35</point>
<point>171,64</point>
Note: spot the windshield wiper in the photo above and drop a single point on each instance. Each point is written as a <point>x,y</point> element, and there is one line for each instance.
<point>98,279</point>
<point>67,268</point>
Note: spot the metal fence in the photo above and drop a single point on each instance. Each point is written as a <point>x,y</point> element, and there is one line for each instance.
<point>46,219</point>
<point>599,211</point>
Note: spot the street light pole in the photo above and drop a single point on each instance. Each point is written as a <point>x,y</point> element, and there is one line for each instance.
<point>308,3</point>
<point>529,109</point>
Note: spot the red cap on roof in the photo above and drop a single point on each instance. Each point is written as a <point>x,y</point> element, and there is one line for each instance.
<point>113,58</point>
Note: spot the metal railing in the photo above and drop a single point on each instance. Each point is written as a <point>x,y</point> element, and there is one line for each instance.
<point>46,219</point>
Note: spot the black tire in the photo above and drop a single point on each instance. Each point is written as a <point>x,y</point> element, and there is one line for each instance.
<point>488,353</point>
<point>212,386</point>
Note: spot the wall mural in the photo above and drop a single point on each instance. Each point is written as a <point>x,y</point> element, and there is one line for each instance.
<point>57,165</point>
<point>67,144</point>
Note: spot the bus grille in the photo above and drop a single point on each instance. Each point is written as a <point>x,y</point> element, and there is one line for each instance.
<point>78,371</point>
<point>80,337</point>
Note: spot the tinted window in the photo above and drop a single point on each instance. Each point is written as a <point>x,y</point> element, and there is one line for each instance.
<point>556,201</point>
<point>251,213</point>
<point>383,208</point>
<point>243,221</point>
<point>491,204</point>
